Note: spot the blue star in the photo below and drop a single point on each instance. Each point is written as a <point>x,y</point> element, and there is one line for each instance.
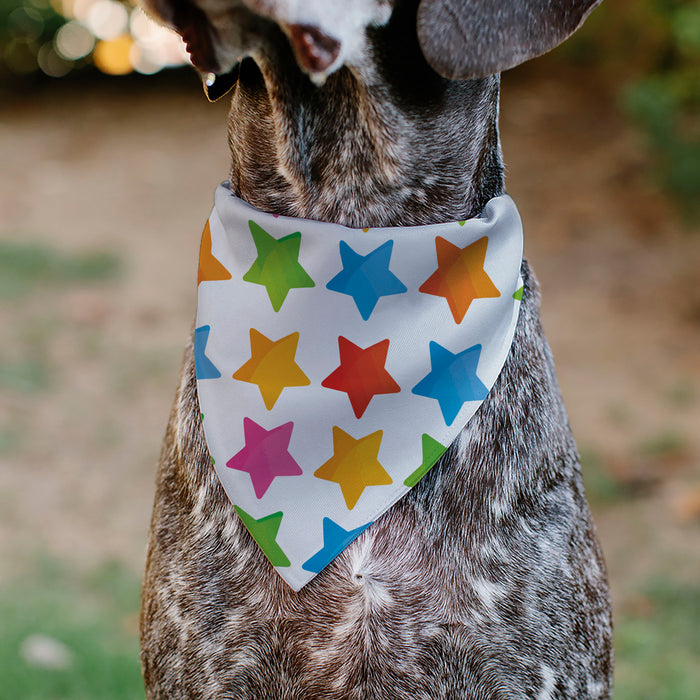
<point>203,366</point>
<point>366,277</point>
<point>335,540</point>
<point>452,380</point>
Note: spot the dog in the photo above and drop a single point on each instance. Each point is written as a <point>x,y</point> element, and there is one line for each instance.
<point>486,580</point>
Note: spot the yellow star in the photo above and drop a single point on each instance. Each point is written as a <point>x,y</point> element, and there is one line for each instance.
<point>354,465</point>
<point>272,366</point>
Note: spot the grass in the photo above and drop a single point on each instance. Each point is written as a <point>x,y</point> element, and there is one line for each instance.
<point>8,440</point>
<point>28,266</point>
<point>602,487</point>
<point>26,375</point>
<point>663,445</point>
<point>646,468</point>
<point>681,394</point>
<point>94,617</point>
<point>658,651</point>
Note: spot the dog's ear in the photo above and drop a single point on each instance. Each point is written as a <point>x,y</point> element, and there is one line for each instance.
<point>190,22</point>
<point>472,38</point>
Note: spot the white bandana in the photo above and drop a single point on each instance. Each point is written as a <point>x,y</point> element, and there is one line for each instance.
<point>335,365</point>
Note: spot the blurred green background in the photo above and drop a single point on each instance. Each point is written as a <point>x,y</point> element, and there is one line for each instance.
<point>110,155</point>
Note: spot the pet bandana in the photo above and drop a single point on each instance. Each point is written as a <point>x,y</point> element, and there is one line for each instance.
<point>335,365</point>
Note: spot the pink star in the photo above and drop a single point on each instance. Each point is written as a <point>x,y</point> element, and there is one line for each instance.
<point>265,455</point>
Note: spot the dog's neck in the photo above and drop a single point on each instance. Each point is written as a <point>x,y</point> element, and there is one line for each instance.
<point>387,144</point>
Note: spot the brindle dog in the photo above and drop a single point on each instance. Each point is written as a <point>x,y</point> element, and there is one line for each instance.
<point>486,581</point>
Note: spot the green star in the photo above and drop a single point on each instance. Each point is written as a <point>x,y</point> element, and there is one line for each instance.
<point>432,450</point>
<point>277,266</point>
<point>264,532</point>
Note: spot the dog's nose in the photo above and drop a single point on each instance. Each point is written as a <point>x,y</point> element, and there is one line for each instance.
<point>314,50</point>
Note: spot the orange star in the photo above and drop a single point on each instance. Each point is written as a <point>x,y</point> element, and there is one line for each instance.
<point>460,276</point>
<point>361,373</point>
<point>354,465</point>
<point>210,269</point>
<point>272,366</point>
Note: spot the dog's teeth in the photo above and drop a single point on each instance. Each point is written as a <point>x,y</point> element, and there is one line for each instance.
<point>211,79</point>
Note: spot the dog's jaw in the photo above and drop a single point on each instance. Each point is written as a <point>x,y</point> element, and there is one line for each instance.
<point>356,151</point>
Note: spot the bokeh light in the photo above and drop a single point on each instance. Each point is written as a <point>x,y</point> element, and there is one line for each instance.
<point>74,40</point>
<point>107,19</point>
<point>52,63</point>
<point>26,20</point>
<point>154,46</point>
<point>58,36</point>
<point>20,55</point>
<point>111,56</point>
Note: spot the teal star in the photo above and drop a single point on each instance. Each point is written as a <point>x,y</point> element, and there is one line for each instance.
<point>277,266</point>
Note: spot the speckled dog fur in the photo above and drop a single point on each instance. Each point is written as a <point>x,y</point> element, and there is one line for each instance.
<point>486,581</point>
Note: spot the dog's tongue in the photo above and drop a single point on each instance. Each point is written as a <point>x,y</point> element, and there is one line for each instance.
<point>314,50</point>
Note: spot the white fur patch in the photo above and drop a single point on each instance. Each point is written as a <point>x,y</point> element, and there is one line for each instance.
<point>548,681</point>
<point>344,21</point>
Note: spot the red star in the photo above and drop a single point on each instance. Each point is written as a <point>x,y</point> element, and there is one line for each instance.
<point>361,374</point>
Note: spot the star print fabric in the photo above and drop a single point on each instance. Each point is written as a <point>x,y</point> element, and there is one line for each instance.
<point>335,365</point>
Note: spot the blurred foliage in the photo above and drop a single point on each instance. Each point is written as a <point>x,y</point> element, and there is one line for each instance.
<point>27,31</point>
<point>649,52</point>
<point>667,104</point>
